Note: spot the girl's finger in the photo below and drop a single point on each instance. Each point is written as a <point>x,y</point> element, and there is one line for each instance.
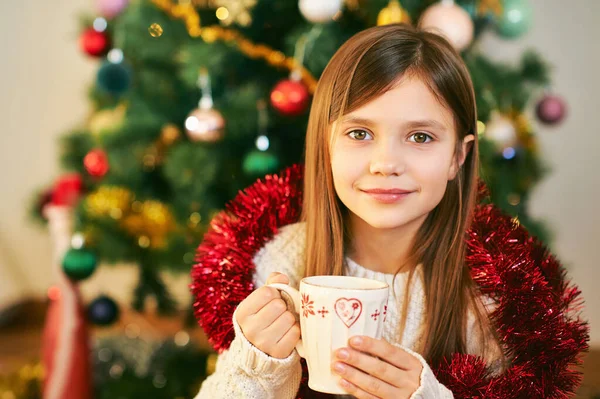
<point>268,314</point>
<point>384,350</point>
<point>277,277</point>
<point>276,331</point>
<point>355,391</point>
<point>256,301</point>
<point>288,342</point>
<point>271,336</point>
<point>363,385</point>
<point>383,370</point>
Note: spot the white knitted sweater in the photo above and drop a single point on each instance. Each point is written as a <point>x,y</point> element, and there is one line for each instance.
<point>244,372</point>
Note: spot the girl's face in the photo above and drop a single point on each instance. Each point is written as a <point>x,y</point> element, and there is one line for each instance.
<point>403,141</point>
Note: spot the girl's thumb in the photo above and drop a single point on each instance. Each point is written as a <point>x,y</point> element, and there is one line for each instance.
<point>278,278</point>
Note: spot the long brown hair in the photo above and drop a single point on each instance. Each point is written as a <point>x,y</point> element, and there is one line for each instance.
<point>366,66</point>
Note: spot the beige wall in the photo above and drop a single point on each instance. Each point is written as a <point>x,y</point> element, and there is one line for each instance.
<point>43,78</point>
<point>42,81</point>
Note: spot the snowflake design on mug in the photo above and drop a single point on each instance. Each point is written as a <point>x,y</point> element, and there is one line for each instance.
<point>323,312</point>
<point>307,305</point>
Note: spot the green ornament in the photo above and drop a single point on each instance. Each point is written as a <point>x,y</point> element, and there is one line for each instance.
<point>260,163</point>
<point>515,19</point>
<point>79,264</point>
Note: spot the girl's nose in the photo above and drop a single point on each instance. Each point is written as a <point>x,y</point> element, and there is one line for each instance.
<point>387,161</point>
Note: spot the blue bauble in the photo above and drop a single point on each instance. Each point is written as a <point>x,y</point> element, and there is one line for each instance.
<point>515,19</point>
<point>114,78</point>
<point>103,311</point>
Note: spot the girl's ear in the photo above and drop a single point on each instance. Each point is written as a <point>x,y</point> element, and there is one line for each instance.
<point>464,150</point>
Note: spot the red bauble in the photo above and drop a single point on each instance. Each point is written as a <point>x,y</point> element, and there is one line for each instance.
<point>96,163</point>
<point>290,97</point>
<point>67,190</point>
<point>94,43</point>
<point>551,110</point>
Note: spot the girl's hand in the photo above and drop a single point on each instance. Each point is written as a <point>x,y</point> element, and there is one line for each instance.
<point>373,368</point>
<point>266,322</point>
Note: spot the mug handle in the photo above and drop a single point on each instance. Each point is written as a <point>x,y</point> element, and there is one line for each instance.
<point>291,297</point>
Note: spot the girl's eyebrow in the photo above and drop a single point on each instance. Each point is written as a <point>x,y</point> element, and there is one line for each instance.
<point>358,120</point>
<point>410,124</point>
<point>426,123</point>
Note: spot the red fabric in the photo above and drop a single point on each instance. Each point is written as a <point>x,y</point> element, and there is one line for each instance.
<point>537,315</point>
<point>76,382</point>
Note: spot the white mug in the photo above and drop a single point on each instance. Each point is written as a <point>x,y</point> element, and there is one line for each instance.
<point>332,309</point>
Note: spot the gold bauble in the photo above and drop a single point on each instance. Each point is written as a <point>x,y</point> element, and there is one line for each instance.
<point>514,199</point>
<point>155,30</point>
<point>525,131</point>
<point>393,13</point>
<point>194,220</point>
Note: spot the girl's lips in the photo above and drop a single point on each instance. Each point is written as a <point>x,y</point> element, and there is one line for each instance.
<point>388,198</point>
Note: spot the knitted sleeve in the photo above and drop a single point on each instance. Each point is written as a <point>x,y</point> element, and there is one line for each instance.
<point>243,371</point>
<point>429,387</point>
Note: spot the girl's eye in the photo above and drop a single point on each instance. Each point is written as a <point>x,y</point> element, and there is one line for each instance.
<point>421,138</point>
<point>360,135</point>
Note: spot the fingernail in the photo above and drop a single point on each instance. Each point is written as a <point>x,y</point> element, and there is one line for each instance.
<point>342,354</point>
<point>356,341</point>
<point>339,367</point>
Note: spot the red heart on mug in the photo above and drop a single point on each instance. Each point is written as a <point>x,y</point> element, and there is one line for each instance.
<point>348,310</point>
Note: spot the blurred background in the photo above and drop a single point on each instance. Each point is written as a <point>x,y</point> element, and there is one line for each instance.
<point>131,123</point>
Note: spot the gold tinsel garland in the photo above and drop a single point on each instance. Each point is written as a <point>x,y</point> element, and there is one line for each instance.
<point>149,221</point>
<point>26,383</point>
<point>210,34</point>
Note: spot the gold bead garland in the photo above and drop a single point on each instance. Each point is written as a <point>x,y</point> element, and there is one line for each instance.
<point>210,34</point>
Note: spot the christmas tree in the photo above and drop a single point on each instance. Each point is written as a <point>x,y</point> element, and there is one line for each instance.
<point>196,99</point>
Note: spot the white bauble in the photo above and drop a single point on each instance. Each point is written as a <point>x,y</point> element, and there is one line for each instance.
<point>319,11</point>
<point>501,131</point>
<point>451,21</point>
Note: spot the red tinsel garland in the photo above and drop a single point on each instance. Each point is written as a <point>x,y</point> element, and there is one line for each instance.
<point>537,317</point>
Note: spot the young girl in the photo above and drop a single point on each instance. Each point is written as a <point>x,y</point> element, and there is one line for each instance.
<point>389,193</point>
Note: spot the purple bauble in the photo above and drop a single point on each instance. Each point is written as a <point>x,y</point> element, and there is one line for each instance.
<point>110,8</point>
<point>551,110</point>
